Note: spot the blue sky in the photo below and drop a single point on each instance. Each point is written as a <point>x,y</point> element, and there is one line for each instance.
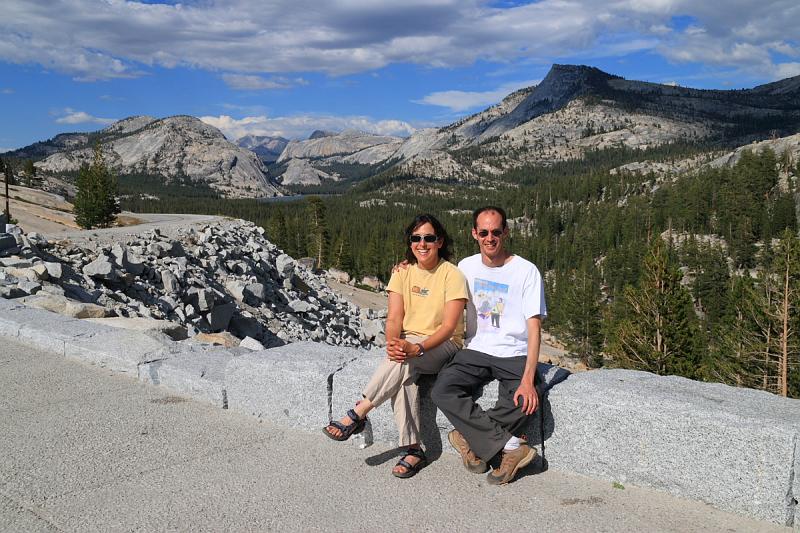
<point>289,67</point>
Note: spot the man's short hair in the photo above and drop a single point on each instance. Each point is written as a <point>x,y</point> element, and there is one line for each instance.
<point>481,210</point>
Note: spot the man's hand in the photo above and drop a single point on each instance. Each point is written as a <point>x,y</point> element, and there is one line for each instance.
<point>530,399</point>
<point>402,265</point>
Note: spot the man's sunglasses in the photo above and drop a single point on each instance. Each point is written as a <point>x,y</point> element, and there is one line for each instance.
<point>494,232</point>
<point>426,238</point>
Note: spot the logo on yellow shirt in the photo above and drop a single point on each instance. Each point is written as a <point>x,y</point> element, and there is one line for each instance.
<point>419,291</point>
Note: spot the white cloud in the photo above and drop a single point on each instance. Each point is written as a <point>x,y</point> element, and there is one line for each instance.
<point>787,70</point>
<point>301,126</point>
<point>6,90</point>
<point>256,83</point>
<point>71,116</point>
<point>464,100</point>
<point>101,40</point>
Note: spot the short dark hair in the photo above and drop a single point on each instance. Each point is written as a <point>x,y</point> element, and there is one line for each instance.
<point>438,229</point>
<point>480,210</point>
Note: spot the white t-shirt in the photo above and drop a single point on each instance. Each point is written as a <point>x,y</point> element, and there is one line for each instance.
<point>501,299</point>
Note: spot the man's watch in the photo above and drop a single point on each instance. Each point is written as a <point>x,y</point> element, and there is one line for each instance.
<point>421,350</point>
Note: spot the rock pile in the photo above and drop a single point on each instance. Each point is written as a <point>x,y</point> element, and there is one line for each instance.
<point>221,277</point>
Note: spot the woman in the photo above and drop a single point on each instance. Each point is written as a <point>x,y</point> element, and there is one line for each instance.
<point>424,328</point>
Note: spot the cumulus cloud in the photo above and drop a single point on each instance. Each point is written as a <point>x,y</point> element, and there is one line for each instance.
<point>301,126</point>
<point>101,40</point>
<point>256,83</point>
<point>464,100</point>
<point>71,116</point>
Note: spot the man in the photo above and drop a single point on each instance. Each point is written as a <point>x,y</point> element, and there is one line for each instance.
<point>505,348</point>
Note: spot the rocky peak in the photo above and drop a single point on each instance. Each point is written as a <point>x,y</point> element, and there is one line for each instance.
<point>130,124</point>
<point>319,134</point>
<point>178,146</point>
<point>267,148</point>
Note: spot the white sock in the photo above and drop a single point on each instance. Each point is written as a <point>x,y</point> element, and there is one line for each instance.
<point>512,444</point>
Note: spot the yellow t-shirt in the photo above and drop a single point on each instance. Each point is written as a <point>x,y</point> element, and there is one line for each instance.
<point>424,294</point>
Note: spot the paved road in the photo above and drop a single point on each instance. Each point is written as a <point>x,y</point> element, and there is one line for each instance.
<point>82,449</point>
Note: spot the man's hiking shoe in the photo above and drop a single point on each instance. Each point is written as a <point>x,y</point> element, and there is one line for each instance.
<point>510,464</point>
<point>472,462</point>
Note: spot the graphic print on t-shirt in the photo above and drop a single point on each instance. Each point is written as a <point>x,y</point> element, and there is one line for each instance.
<point>490,301</point>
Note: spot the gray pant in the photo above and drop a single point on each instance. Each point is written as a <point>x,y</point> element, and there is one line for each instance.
<point>486,431</point>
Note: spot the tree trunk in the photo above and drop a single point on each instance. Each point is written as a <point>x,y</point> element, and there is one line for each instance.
<point>785,334</point>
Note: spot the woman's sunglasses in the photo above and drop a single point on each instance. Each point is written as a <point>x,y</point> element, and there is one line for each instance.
<point>426,238</point>
<point>494,232</point>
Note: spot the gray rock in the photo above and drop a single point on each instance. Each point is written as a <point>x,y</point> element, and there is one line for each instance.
<point>244,326</point>
<point>202,299</point>
<point>299,306</point>
<point>172,330</point>
<point>65,306</point>
<point>255,293</point>
<point>284,265</point>
<point>220,316</point>
<point>236,289</point>
<point>7,241</point>
<point>372,282</point>
<point>101,268</point>
<point>11,291</point>
<point>733,448</point>
<point>372,328</point>
<point>251,344</point>
<point>55,271</point>
<point>196,371</point>
<point>339,275</point>
<point>29,287</point>
<point>169,281</point>
<point>307,263</point>
<point>300,397</point>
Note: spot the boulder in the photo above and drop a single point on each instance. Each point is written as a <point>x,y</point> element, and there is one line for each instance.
<point>372,282</point>
<point>255,293</point>
<point>65,306</point>
<point>251,344</point>
<point>338,275</point>
<point>7,241</point>
<point>173,330</point>
<point>101,268</point>
<point>284,264</point>
<point>218,339</point>
<point>220,316</point>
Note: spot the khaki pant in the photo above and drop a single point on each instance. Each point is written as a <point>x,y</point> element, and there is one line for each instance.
<point>398,382</point>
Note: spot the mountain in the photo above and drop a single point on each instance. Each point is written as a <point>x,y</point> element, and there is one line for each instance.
<point>268,149</point>
<point>326,154</point>
<point>176,147</point>
<point>576,109</point>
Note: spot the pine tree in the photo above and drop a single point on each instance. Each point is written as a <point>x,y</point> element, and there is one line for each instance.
<point>658,333</point>
<point>318,231</point>
<point>96,197</point>
<point>277,230</point>
<point>580,312</point>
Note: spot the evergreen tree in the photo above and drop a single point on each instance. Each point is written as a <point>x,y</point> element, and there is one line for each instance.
<point>277,230</point>
<point>581,313</point>
<point>96,197</point>
<point>318,231</point>
<point>658,332</point>
<point>343,254</point>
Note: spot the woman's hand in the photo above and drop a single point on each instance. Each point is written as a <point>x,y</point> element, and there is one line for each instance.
<point>400,350</point>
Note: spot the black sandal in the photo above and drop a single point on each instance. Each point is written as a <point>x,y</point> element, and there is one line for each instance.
<point>347,430</point>
<point>411,470</point>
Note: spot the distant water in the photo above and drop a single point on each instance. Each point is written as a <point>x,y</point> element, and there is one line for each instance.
<point>292,198</point>
<point>275,199</point>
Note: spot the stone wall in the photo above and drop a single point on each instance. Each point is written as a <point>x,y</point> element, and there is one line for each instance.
<point>736,449</point>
